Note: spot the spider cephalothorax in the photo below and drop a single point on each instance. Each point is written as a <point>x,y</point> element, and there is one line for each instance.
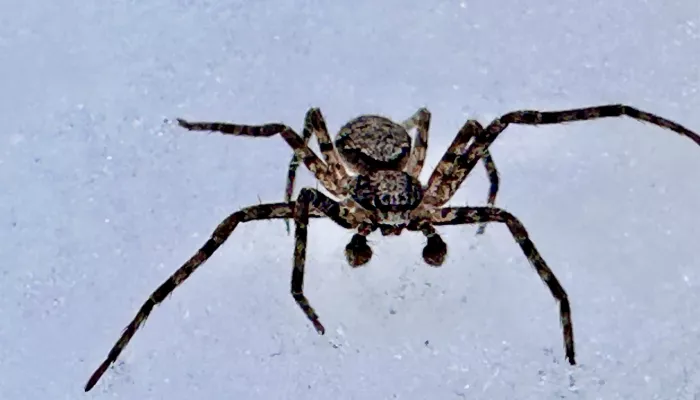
<point>386,194</point>
<point>390,195</point>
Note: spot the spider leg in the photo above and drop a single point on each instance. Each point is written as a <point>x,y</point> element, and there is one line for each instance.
<point>218,237</point>
<point>420,120</point>
<point>320,170</point>
<point>310,198</point>
<point>314,123</point>
<point>473,215</point>
<point>441,189</point>
<point>443,171</point>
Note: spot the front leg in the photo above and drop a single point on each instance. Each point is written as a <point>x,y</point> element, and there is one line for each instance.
<point>437,192</point>
<point>301,150</point>
<point>311,198</point>
<point>443,190</point>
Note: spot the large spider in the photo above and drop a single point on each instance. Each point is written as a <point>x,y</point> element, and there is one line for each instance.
<point>383,193</point>
<point>420,120</point>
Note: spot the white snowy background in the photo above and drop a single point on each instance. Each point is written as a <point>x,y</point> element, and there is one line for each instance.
<point>100,200</point>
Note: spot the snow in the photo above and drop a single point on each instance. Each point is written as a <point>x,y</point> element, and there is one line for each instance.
<point>101,199</point>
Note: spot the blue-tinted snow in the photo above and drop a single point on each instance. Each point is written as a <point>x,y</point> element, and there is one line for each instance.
<point>100,200</point>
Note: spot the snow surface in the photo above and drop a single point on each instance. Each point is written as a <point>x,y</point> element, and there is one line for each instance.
<point>101,200</point>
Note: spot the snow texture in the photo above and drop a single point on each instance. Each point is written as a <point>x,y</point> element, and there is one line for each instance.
<point>101,199</point>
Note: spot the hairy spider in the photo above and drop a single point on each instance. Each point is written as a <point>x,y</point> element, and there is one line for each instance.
<point>383,193</point>
<point>420,120</point>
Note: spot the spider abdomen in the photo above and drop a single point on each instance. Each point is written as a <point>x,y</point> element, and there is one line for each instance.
<point>371,142</point>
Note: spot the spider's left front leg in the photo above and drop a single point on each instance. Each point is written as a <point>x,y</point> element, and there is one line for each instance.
<point>475,215</point>
<point>312,198</point>
<point>440,190</point>
<point>445,171</point>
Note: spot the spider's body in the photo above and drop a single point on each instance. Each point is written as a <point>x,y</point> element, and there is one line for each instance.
<point>385,193</point>
<point>378,149</point>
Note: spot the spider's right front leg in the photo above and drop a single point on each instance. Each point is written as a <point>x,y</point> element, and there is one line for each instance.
<point>321,171</point>
<point>311,198</point>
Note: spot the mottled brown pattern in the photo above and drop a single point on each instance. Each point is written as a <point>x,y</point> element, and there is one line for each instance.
<point>372,142</point>
<point>368,142</point>
<point>385,196</point>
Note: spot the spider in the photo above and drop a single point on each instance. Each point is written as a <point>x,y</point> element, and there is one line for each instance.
<point>381,191</point>
<point>420,120</point>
